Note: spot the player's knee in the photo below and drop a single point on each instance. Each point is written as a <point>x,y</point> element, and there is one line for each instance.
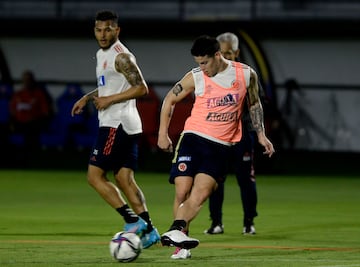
<point>92,181</point>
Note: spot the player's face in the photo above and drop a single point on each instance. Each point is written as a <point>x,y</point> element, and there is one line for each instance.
<point>106,33</point>
<point>209,65</point>
<point>228,52</point>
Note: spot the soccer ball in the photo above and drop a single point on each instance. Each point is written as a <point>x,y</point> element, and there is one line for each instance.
<point>125,246</point>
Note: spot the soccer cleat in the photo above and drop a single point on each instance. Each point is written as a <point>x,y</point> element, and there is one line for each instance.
<point>249,230</point>
<point>178,239</point>
<point>181,253</point>
<point>150,239</point>
<point>215,229</point>
<point>137,227</point>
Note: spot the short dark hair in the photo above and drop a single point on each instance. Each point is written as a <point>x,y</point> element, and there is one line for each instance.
<point>106,15</point>
<point>205,46</point>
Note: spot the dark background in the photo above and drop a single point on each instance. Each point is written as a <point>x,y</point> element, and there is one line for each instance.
<point>282,20</point>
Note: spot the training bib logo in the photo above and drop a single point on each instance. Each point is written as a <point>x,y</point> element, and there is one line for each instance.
<point>227,100</point>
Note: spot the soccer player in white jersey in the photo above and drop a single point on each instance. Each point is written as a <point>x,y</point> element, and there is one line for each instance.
<point>120,82</point>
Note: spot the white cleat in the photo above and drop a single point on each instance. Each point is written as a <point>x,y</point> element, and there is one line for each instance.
<point>249,230</point>
<point>181,253</point>
<point>178,239</point>
<point>215,229</point>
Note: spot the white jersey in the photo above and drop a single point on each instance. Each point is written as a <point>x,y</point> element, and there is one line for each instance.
<point>111,82</point>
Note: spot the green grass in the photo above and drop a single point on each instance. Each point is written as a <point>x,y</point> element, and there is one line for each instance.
<point>54,218</point>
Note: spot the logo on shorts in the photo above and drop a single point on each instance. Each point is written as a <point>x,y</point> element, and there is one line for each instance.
<point>182,167</point>
<point>184,158</point>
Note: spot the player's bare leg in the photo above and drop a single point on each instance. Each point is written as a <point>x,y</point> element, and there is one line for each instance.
<point>203,186</point>
<point>126,182</point>
<point>106,189</point>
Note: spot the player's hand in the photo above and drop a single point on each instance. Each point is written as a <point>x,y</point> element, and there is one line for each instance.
<point>265,142</point>
<point>164,143</point>
<point>102,102</point>
<point>78,106</point>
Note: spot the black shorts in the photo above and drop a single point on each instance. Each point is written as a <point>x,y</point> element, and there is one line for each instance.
<point>195,154</point>
<point>115,149</point>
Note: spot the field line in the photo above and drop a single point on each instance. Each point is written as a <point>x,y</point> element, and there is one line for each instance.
<point>59,242</point>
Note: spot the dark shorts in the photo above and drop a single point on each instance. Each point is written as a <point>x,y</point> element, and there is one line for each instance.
<point>114,149</point>
<point>246,143</point>
<point>195,154</point>
<point>242,154</point>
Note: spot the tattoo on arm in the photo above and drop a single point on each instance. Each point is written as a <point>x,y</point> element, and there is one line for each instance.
<point>257,117</point>
<point>253,90</point>
<point>177,89</point>
<point>128,68</point>
<point>255,108</point>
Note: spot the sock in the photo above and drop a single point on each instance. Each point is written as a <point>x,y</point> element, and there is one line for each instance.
<point>128,214</point>
<point>146,217</point>
<point>178,225</point>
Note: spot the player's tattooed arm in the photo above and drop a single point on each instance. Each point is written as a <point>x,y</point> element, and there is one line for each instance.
<point>257,117</point>
<point>124,64</point>
<point>255,107</point>
<point>257,114</point>
<point>179,91</point>
<point>176,90</point>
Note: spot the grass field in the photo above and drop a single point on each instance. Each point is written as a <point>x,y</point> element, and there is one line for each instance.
<point>53,218</point>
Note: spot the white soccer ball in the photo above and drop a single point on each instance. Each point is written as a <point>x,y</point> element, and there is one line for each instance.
<point>125,246</point>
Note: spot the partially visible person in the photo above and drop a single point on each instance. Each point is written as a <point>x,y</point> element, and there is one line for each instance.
<point>290,109</point>
<point>120,82</point>
<point>30,111</point>
<point>71,125</point>
<point>6,92</point>
<point>242,158</point>
<point>201,157</point>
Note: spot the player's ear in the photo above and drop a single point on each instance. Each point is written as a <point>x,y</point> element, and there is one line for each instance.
<point>237,53</point>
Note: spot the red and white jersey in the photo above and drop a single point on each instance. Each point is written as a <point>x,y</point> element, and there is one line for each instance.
<point>111,82</point>
<point>218,104</point>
